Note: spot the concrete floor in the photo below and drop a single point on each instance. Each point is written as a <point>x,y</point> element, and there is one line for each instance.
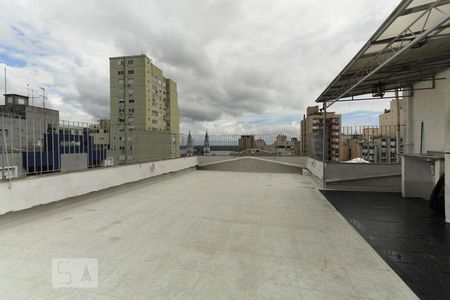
<point>198,235</point>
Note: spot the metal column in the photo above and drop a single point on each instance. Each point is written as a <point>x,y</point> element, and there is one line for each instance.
<point>324,144</point>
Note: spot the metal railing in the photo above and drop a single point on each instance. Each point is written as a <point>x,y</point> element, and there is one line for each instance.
<point>40,144</point>
<point>366,144</point>
<point>282,144</point>
<point>43,144</point>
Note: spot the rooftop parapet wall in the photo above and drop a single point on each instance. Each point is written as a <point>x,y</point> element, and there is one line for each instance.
<point>356,171</point>
<point>357,176</point>
<point>295,160</point>
<point>33,191</point>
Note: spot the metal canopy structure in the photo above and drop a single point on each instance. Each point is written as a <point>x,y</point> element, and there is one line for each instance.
<point>412,45</point>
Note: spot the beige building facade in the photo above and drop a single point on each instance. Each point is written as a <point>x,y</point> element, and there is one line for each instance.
<point>101,132</point>
<point>246,142</point>
<point>389,118</point>
<point>350,147</point>
<point>144,111</point>
<point>312,133</point>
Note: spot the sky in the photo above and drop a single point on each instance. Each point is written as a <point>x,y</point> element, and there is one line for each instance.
<point>242,66</point>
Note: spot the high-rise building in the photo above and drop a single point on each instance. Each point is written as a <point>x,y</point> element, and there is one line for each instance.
<point>246,142</point>
<point>392,124</point>
<point>312,134</point>
<point>144,111</point>
<point>379,144</point>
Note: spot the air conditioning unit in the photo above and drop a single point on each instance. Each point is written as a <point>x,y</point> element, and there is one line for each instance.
<point>9,172</point>
<point>108,162</point>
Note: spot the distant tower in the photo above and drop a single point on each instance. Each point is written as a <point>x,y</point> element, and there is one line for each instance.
<point>206,149</point>
<point>190,146</point>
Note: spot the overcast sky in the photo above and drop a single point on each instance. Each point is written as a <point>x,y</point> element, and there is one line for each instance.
<point>241,65</point>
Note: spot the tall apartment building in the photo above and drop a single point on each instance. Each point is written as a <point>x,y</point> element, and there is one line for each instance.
<point>377,144</point>
<point>389,122</point>
<point>312,134</point>
<point>246,142</point>
<point>144,111</point>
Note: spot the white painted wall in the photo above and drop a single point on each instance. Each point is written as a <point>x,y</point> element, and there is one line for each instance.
<point>33,191</point>
<point>349,171</point>
<point>430,107</point>
<point>417,178</point>
<point>315,167</point>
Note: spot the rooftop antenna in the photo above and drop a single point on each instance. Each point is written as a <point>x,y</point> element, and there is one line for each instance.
<point>6,90</point>
<point>43,105</point>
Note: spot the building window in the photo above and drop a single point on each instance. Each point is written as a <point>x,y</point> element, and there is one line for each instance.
<point>154,121</point>
<point>130,61</point>
<point>121,82</point>
<point>130,72</point>
<point>120,62</point>
<point>130,92</point>
<point>154,113</point>
<point>131,110</point>
<point>131,101</point>
<point>130,82</point>
<point>121,100</point>
<point>120,91</point>
<point>120,72</point>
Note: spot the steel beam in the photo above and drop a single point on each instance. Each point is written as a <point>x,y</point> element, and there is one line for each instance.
<point>367,72</point>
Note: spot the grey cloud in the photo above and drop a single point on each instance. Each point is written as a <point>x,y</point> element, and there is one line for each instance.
<point>230,58</point>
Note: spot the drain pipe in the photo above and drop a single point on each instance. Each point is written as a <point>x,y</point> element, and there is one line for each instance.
<point>421,138</point>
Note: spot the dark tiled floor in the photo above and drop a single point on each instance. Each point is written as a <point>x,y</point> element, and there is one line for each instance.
<point>406,233</point>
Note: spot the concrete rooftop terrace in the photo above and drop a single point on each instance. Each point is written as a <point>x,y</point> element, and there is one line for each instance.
<point>197,235</point>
